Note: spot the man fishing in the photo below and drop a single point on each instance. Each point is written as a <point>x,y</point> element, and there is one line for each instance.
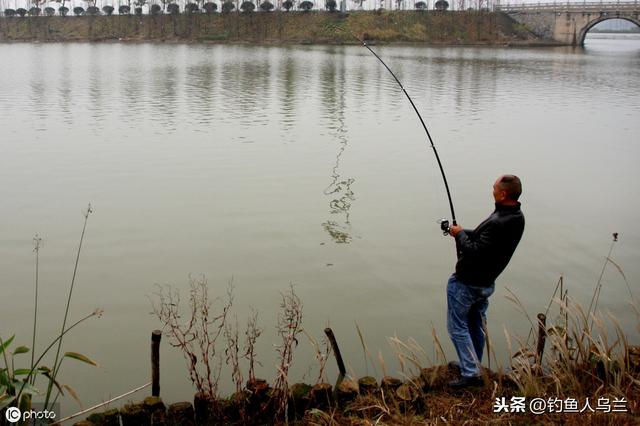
<point>482,255</point>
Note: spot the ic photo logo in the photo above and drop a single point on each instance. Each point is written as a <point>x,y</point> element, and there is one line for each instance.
<point>13,414</point>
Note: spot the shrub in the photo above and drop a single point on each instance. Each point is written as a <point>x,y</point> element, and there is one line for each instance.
<point>108,10</point>
<point>138,11</point>
<point>247,6</point>
<point>63,10</point>
<point>207,333</point>
<point>421,5</point>
<point>34,11</point>
<point>306,5</point>
<point>191,8</point>
<point>228,6</point>
<point>287,4</point>
<point>331,5</point>
<point>78,10</point>
<point>124,10</point>
<point>267,6</point>
<point>21,11</point>
<point>155,9</point>
<point>92,11</point>
<point>9,12</point>
<point>441,5</point>
<point>49,11</point>
<point>210,7</point>
<point>173,9</point>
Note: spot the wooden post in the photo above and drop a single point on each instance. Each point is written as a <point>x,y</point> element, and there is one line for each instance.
<point>336,353</point>
<point>542,336</point>
<point>156,335</point>
<point>336,350</point>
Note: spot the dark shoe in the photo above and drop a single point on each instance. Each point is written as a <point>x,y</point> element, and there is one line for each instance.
<point>466,382</point>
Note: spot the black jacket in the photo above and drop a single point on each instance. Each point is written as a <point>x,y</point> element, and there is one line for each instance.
<point>484,252</point>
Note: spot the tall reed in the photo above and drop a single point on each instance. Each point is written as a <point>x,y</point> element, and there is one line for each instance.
<point>56,365</point>
<point>37,244</point>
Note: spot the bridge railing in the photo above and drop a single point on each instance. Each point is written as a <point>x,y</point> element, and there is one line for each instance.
<point>587,6</point>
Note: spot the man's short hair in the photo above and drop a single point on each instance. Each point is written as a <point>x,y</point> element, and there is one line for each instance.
<point>512,186</point>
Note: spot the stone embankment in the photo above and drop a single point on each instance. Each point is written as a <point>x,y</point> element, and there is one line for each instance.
<point>258,403</point>
<point>428,27</point>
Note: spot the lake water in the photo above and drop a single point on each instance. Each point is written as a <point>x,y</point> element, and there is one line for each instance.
<point>272,166</point>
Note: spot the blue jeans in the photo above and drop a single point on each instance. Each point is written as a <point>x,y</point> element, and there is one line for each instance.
<point>466,314</point>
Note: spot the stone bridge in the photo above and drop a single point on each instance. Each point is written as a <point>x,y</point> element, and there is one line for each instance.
<point>568,23</point>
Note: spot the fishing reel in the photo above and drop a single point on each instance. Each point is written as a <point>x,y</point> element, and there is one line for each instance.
<point>444,226</point>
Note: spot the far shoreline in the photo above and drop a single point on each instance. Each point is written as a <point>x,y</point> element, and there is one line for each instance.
<point>405,28</point>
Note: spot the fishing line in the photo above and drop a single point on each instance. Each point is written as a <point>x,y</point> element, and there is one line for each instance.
<point>444,224</point>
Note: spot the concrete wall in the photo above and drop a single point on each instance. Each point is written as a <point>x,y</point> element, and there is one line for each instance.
<point>465,27</point>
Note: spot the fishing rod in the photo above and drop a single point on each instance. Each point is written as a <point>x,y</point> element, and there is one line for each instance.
<point>444,224</point>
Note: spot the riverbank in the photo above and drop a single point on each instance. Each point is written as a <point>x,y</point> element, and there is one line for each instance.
<point>430,27</point>
<point>424,399</point>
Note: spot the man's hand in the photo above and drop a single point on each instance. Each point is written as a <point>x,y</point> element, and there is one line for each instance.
<point>454,230</point>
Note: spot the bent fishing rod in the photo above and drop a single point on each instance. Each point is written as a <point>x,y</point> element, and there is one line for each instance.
<point>444,224</point>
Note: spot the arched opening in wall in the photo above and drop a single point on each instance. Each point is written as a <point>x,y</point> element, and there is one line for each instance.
<point>613,34</point>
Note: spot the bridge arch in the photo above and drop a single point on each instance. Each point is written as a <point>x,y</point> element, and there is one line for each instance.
<point>583,32</point>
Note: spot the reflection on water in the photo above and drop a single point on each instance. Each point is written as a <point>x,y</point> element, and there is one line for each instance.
<point>148,133</point>
<point>38,89</point>
<point>96,93</point>
<point>164,85</point>
<point>339,190</point>
<point>287,80</point>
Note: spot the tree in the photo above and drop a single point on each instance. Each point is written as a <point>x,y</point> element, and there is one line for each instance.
<point>21,11</point>
<point>34,11</point>
<point>78,10</point>
<point>173,9</point>
<point>331,5</point>
<point>49,11</point>
<point>108,10</point>
<point>228,6</point>
<point>266,6</point>
<point>124,10</point>
<point>92,11</point>
<point>191,8</point>
<point>62,6</point>
<point>9,12</point>
<point>139,4</point>
<point>164,4</point>
<point>247,6</point>
<point>36,4</point>
<point>441,5</point>
<point>155,9</point>
<point>210,7</point>
<point>306,5</point>
<point>421,5</point>
<point>287,4</point>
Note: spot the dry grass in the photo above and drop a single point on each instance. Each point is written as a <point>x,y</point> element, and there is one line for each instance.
<point>587,356</point>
